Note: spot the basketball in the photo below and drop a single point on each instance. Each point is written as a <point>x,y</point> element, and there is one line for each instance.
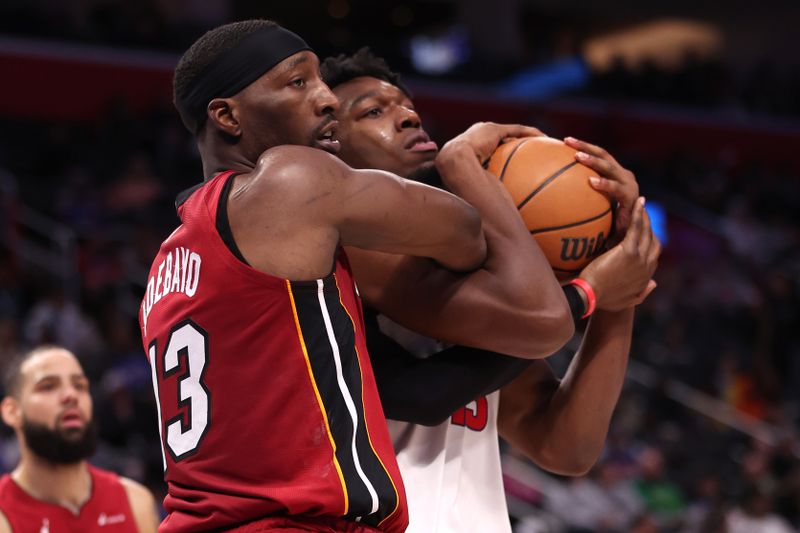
<point>568,218</point>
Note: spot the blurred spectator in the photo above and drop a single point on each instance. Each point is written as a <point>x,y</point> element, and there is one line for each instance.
<point>136,188</point>
<point>784,468</point>
<point>755,515</point>
<point>9,339</point>
<point>703,515</point>
<point>56,320</point>
<point>602,501</point>
<point>644,524</point>
<point>661,497</point>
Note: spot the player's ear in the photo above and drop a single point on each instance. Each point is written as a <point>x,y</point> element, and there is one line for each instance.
<point>9,409</point>
<point>222,113</point>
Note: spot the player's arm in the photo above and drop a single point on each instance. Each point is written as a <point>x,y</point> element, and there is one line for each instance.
<point>427,391</point>
<point>5,526</point>
<point>302,203</point>
<point>512,305</point>
<point>562,426</point>
<point>143,505</point>
<point>612,179</point>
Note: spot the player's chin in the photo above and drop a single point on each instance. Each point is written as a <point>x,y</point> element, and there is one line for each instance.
<point>426,155</point>
<point>416,160</point>
<point>74,432</point>
<point>424,172</point>
<point>425,165</point>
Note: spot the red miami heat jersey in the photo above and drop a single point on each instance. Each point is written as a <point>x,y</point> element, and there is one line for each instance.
<point>107,511</point>
<point>267,402</point>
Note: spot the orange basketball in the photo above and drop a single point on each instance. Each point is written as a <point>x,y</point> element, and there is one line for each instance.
<point>569,219</point>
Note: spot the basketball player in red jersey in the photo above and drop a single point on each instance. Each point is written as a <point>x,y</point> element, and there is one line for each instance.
<point>268,409</point>
<point>452,470</point>
<point>54,489</point>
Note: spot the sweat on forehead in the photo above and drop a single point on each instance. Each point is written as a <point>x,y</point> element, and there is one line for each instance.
<point>365,89</point>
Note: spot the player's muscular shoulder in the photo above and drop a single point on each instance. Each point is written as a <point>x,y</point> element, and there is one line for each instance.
<point>277,212</point>
<point>294,170</point>
<point>294,179</point>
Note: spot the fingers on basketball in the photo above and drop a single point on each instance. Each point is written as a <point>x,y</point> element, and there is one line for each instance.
<point>569,219</point>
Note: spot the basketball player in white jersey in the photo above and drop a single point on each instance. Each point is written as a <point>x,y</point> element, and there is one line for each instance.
<point>449,458</point>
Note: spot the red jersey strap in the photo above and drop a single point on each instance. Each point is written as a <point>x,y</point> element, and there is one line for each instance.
<point>187,193</point>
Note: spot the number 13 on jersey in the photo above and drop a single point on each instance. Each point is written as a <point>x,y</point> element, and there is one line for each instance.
<point>184,359</point>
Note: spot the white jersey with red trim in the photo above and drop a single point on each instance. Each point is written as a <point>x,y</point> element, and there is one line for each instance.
<point>452,472</point>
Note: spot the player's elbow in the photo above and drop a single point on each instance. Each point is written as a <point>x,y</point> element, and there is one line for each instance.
<point>477,248</point>
<point>577,465</point>
<point>560,326</point>
<point>549,330</point>
<point>474,249</point>
<point>462,247</point>
<point>572,461</point>
<point>575,468</point>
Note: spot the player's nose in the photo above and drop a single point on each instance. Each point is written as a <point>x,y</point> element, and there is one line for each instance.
<point>69,395</point>
<point>407,118</point>
<point>325,102</point>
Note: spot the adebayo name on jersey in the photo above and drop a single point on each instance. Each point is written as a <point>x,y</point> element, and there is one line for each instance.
<point>178,272</point>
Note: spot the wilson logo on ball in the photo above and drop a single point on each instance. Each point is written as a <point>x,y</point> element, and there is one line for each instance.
<point>580,248</point>
<point>568,218</point>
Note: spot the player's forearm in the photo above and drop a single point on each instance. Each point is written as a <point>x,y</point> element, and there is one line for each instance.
<point>464,176</point>
<point>518,270</point>
<point>584,402</point>
<point>456,232</point>
<point>564,428</point>
<point>476,310</point>
<point>428,391</point>
<point>376,210</point>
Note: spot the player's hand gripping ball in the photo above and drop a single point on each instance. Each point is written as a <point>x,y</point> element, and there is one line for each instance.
<point>569,219</point>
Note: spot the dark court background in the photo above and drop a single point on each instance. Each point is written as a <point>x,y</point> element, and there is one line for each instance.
<point>699,99</point>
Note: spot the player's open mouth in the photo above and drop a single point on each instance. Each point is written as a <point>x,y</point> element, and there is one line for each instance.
<point>71,419</point>
<point>326,138</point>
<point>421,143</point>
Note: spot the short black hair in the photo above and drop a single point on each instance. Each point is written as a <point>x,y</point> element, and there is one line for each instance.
<point>203,52</point>
<point>343,68</point>
<point>12,378</point>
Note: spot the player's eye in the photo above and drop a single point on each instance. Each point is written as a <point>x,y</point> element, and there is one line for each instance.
<point>373,112</point>
<point>298,82</point>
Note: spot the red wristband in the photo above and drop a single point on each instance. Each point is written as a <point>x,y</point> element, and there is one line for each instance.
<point>590,295</point>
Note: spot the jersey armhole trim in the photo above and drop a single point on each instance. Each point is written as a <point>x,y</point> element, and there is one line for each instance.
<point>222,222</point>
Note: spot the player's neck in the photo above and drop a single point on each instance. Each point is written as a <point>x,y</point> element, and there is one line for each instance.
<point>216,160</point>
<point>212,168</point>
<point>69,486</point>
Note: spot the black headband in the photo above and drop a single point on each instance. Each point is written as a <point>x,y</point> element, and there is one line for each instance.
<point>237,68</point>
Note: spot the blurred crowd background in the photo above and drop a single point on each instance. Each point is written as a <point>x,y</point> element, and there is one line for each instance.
<point>700,102</point>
